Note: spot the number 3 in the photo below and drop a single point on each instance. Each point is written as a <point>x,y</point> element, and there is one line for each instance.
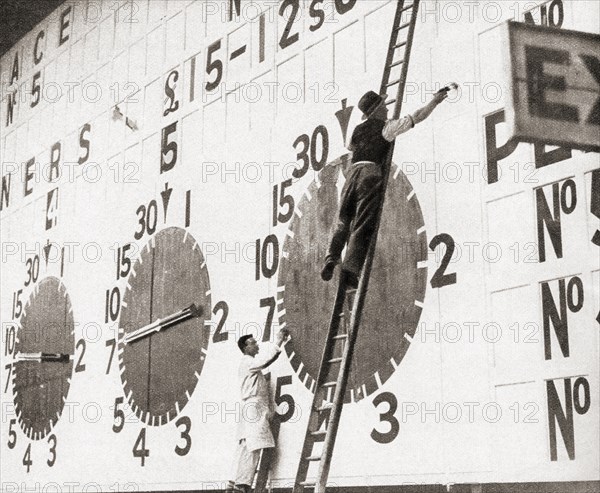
<point>388,417</point>
<point>186,422</point>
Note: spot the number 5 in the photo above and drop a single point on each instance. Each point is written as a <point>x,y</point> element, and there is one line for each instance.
<point>287,398</point>
<point>212,65</point>
<point>119,416</point>
<point>35,89</point>
<point>285,200</point>
<point>12,435</point>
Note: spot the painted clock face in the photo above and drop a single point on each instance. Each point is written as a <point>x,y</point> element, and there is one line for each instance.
<point>396,289</point>
<point>159,371</point>
<point>41,385</point>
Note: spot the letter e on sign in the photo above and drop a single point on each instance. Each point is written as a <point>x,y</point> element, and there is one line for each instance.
<point>553,86</point>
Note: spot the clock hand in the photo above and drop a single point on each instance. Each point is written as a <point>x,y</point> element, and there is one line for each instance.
<point>191,311</point>
<point>45,357</point>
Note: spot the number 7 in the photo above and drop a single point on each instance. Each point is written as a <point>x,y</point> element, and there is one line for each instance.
<point>9,368</point>
<point>271,303</point>
<point>113,343</point>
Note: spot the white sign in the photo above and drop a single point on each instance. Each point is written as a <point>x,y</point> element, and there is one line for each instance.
<point>554,86</point>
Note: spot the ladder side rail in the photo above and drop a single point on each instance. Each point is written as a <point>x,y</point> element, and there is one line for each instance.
<point>323,369</point>
<point>404,73</point>
<point>391,50</point>
<point>357,309</point>
<point>334,324</point>
<point>346,363</point>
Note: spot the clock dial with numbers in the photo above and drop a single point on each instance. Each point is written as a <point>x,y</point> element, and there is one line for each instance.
<point>160,369</point>
<point>44,358</point>
<point>45,352</point>
<point>400,268</point>
<point>165,317</point>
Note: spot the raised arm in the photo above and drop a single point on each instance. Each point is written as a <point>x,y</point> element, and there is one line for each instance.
<point>422,113</point>
<point>393,128</point>
<point>272,354</point>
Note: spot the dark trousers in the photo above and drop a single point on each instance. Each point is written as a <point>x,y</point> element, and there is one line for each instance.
<point>360,201</point>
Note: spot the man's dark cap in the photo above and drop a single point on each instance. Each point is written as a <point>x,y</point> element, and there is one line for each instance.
<point>369,103</point>
<point>242,341</point>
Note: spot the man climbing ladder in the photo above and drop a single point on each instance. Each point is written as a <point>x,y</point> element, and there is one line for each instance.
<point>360,213</point>
<point>361,195</point>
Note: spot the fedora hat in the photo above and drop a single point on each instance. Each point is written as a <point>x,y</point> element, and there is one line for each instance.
<point>369,103</point>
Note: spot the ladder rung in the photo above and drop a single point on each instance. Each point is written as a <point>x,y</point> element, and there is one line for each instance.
<point>307,483</point>
<point>318,433</point>
<point>391,101</point>
<point>335,360</point>
<point>329,384</point>
<point>395,64</point>
<point>313,457</point>
<point>400,45</point>
<point>341,336</point>
<point>399,28</point>
<point>393,83</point>
<point>325,407</point>
<point>407,7</point>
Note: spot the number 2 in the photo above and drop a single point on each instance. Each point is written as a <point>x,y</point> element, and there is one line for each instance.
<point>80,366</point>
<point>440,279</point>
<point>286,39</point>
<point>221,336</point>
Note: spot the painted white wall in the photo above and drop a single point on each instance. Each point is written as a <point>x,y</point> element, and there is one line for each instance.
<point>479,347</point>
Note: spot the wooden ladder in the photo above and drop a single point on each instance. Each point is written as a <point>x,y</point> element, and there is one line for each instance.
<point>325,412</point>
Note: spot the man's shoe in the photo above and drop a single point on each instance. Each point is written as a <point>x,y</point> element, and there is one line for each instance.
<point>328,268</point>
<point>236,488</point>
<point>231,487</point>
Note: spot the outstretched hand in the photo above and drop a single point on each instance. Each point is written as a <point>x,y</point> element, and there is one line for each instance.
<point>439,96</point>
<point>442,94</point>
<point>282,336</point>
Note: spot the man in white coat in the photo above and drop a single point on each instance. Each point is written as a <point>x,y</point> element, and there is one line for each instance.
<point>254,428</point>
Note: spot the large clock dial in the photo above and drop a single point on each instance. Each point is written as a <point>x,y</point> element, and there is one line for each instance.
<point>169,292</point>
<point>44,355</point>
<point>44,358</point>
<point>396,291</point>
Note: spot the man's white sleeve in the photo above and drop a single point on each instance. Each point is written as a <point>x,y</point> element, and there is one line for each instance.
<point>269,353</point>
<point>393,128</point>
